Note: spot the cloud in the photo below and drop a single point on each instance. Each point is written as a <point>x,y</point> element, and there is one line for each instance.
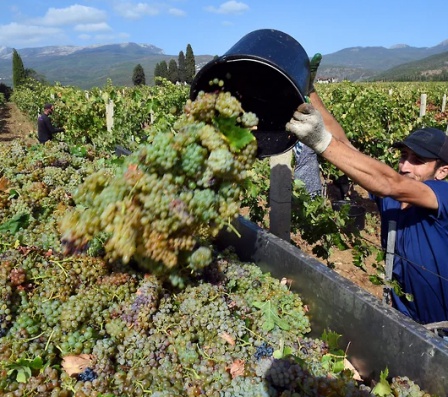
<point>25,34</point>
<point>93,27</point>
<point>177,12</point>
<point>73,15</point>
<point>136,10</point>
<point>229,7</point>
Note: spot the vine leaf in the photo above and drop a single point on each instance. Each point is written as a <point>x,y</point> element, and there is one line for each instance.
<point>272,318</point>
<point>15,223</point>
<point>237,137</point>
<point>382,388</point>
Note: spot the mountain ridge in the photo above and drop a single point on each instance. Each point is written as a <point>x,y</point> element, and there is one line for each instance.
<point>89,66</point>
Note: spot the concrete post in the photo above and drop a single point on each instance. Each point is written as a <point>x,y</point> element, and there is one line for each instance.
<point>280,196</point>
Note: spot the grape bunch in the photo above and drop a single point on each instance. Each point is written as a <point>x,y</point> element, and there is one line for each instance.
<point>172,196</point>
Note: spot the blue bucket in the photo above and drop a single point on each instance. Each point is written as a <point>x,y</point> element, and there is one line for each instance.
<point>268,71</point>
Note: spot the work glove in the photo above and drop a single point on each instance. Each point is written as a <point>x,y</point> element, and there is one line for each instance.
<point>307,124</point>
<point>314,65</point>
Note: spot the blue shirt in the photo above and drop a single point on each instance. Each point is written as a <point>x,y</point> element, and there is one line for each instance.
<point>421,255</point>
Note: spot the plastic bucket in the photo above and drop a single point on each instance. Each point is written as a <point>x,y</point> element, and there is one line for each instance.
<point>268,71</point>
<point>356,214</point>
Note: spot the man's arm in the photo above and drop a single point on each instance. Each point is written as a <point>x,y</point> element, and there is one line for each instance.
<point>373,175</point>
<point>331,124</point>
<point>50,126</point>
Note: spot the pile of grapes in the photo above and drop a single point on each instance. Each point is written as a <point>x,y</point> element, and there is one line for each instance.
<point>92,310</point>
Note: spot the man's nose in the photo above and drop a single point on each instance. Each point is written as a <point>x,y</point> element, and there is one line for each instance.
<point>405,166</point>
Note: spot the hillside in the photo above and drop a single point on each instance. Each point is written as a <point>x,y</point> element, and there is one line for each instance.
<point>87,67</point>
<point>428,69</point>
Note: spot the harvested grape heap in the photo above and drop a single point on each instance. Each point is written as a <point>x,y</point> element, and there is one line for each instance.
<point>174,194</point>
<point>93,326</point>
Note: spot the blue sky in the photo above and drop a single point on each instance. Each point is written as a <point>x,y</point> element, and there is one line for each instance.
<point>212,27</point>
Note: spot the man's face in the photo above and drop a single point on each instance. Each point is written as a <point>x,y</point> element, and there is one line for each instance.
<point>416,167</point>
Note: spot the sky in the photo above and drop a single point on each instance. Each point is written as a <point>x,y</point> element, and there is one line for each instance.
<point>213,27</point>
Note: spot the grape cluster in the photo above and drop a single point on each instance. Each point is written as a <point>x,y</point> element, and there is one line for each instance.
<point>264,350</point>
<point>88,375</point>
<point>173,195</point>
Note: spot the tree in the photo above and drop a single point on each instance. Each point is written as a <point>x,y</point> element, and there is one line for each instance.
<point>160,70</point>
<point>18,70</point>
<point>138,77</point>
<point>173,72</point>
<point>181,67</point>
<point>190,65</point>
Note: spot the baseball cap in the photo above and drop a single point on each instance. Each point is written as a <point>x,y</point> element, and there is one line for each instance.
<point>427,142</point>
<point>48,106</point>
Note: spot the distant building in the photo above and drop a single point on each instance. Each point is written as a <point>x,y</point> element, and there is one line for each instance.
<point>326,80</point>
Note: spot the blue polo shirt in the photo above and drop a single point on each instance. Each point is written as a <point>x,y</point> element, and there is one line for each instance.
<point>421,255</point>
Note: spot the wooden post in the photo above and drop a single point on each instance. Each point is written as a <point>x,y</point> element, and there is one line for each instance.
<point>280,196</point>
<point>423,105</point>
<point>110,115</point>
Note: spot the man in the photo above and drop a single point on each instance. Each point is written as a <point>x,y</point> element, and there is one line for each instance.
<point>416,197</point>
<point>45,129</point>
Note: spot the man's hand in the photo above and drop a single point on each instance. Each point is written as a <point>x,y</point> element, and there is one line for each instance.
<point>308,126</point>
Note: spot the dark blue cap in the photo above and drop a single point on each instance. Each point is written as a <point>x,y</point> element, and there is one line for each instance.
<point>427,142</point>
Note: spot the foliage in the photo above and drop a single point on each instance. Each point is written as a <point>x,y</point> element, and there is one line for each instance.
<point>6,91</point>
<point>181,66</point>
<point>18,70</point>
<point>173,72</point>
<point>160,71</point>
<point>190,65</point>
<point>138,75</point>
<point>83,113</point>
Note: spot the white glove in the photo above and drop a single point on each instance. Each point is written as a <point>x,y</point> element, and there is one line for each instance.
<point>307,124</point>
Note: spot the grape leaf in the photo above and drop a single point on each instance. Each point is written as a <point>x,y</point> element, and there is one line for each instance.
<point>271,315</point>
<point>15,223</point>
<point>382,388</point>
<point>237,137</point>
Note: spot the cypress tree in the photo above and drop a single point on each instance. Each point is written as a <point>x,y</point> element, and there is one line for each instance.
<point>18,70</point>
<point>173,73</point>
<point>190,65</point>
<point>138,77</point>
<point>164,69</point>
<point>181,67</point>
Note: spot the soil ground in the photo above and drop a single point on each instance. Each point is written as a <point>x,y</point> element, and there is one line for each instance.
<point>14,125</point>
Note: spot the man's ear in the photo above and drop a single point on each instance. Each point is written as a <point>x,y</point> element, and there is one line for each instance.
<point>441,173</point>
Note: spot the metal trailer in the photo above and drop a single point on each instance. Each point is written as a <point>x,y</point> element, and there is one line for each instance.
<point>377,335</point>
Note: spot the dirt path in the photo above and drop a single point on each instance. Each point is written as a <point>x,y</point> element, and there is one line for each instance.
<point>14,125</point>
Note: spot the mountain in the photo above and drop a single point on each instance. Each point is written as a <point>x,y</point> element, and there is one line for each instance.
<point>91,66</point>
<point>435,66</point>
<point>88,67</point>
<point>366,63</point>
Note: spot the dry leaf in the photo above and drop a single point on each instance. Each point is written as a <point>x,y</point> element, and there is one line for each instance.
<point>236,368</point>
<point>4,182</point>
<point>74,365</point>
<point>228,338</point>
<point>349,365</point>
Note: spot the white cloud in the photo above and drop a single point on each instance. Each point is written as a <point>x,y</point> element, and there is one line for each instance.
<point>229,7</point>
<point>73,15</point>
<point>93,27</point>
<point>19,34</point>
<point>177,12</point>
<point>136,11</point>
